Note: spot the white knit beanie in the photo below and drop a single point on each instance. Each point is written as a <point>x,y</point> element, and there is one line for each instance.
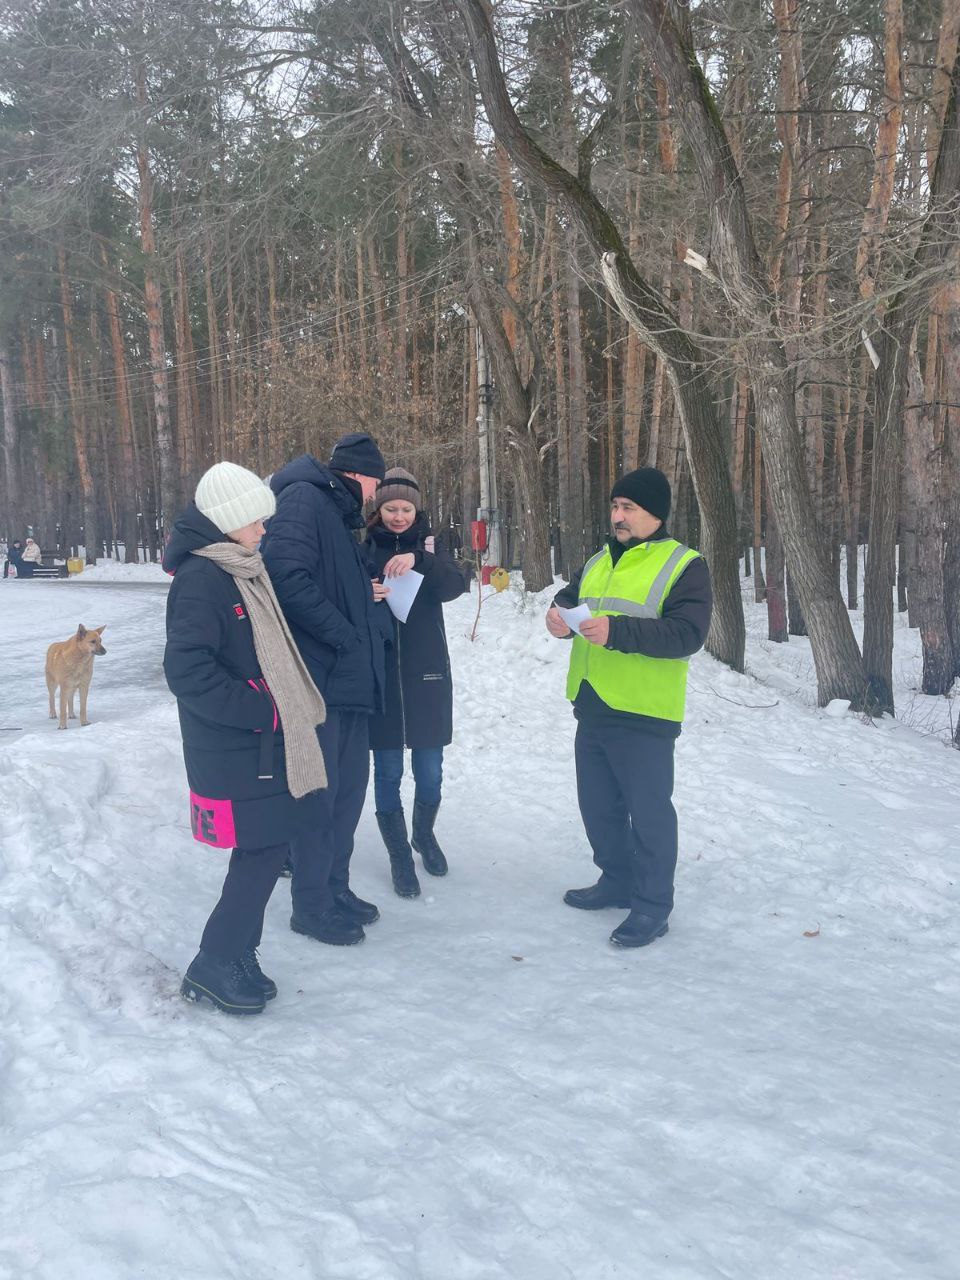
<point>233,497</point>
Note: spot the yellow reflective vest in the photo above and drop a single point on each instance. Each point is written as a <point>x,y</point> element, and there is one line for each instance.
<point>637,586</point>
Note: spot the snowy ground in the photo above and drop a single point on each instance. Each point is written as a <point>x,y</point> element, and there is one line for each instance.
<point>485,1090</point>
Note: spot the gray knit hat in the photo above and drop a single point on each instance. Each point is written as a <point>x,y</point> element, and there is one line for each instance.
<point>232,497</point>
<point>398,484</point>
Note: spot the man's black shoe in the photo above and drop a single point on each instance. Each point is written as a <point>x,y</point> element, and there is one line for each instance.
<point>255,975</point>
<point>329,926</point>
<point>223,982</point>
<point>638,930</point>
<point>597,897</point>
<point>355,909</point>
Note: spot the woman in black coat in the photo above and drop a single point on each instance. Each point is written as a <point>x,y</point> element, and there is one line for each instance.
<point>419,691</point>
<point>248,715</point>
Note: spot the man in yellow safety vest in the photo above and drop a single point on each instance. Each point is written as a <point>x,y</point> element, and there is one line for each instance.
<point>649,601</point>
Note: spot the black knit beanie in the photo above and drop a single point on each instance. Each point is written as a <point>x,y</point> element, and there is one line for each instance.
<point>648,488</point>
<point>358,452</point>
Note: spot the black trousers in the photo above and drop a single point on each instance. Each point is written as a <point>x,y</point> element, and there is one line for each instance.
<point>624,786</point>
<point>236,922</point>
<point>321,859</point>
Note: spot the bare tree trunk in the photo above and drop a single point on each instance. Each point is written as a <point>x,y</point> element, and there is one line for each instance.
<point>90,531</point>
<point>950,393</point>
<point>218,408</point>
<point>759,583</point>
<point>579,471</point>
<point>856,490</point>
<point>11,472</point>
<point>181,330</point>
<point>130,488</point>
<point>776,586</point>
<point>565,558</point>
<point>609,473</point>
<point>166,456</point>
<point>511,231</point>
<point>470,481</point>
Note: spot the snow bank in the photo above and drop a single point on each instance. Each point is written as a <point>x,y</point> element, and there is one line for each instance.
<point>485,1088</point>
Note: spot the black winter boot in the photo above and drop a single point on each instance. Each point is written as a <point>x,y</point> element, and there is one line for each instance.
<point>393,828</point>
<point>329,926</point>
<point>255,975</point>
<point>222,982</point>
<point>639,930</point>
<point>424,841</point>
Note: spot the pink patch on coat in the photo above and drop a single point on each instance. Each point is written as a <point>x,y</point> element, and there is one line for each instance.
<point>212,821</point>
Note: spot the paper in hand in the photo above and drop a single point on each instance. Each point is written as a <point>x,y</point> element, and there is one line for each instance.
<point>573,617</point>
<point>403,592</point>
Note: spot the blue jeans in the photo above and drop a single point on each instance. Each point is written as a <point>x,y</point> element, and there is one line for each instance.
<point>388,770</point>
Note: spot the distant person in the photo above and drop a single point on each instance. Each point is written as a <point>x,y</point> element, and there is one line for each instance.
<point>248,715</point>
<point>650,602</point>
<point>32,556</point>
<point>324,587</point>
<point>14,558</point>
<point>419,693</point>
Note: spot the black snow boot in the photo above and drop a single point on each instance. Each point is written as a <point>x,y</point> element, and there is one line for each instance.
<point>255,975</point>
<point>222,982</point>
<point>424,841</point>
<point>393,828</point>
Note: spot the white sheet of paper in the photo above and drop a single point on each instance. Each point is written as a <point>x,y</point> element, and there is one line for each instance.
<point>403,592</point>
<point>573,617</point>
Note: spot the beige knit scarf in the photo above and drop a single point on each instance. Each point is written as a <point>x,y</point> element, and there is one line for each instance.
<point>299,704</point>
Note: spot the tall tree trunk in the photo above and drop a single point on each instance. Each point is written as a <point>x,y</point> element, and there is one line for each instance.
<point>218,406</point>
<point>579,470</point>
<point>77,416</point>
<point>130,488</point>
<point>759,582</point>
<point>565,556</point>
<point>936,252</point>
<point>609,473</point>
<point>11,473</point>
<point>950,393</point>
<point>186,436</point>
<point>166,454</point>
<point>776,586</point>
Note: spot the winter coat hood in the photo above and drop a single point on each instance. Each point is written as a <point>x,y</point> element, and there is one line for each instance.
<point>308,470</point>
<point>191,532</point>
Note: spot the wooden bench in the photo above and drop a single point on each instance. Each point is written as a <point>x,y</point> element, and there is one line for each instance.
<point>49,567</point>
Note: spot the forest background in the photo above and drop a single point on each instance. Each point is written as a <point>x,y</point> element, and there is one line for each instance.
<point>721,238</point>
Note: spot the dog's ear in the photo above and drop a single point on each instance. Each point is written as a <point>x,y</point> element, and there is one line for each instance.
<point>100,630</point>
<point>81,631</point>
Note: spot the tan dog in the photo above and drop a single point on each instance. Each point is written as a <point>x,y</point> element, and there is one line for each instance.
<point>69,668</point>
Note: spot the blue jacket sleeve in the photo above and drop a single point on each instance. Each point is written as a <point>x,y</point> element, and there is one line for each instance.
<point>293,554</point>
<point>194,674</point>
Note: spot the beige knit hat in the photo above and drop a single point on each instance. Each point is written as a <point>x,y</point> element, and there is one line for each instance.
<point>396,485</point>
<point>232,497</point>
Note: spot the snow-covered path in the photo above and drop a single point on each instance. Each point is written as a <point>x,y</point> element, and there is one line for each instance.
<point>485,1089</point>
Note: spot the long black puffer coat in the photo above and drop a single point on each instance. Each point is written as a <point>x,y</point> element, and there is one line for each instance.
<point>231,735</point>
<point>419,693</point>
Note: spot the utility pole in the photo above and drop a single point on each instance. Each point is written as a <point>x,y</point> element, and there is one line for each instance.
<point>488,509</point>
